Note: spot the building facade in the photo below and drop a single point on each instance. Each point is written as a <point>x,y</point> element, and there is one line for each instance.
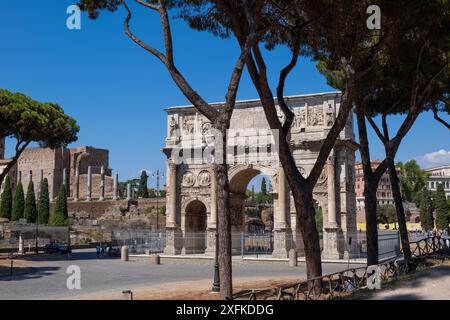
<point>439,175</point>
<point>384,192</point>
<point>191,183</point>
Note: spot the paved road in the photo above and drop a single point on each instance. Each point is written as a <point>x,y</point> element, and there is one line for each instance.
<point>47,279</point>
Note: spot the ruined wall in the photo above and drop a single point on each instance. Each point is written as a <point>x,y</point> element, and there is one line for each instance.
<point>50,162</point>
<point>95,209</point>
<point>96,179</point>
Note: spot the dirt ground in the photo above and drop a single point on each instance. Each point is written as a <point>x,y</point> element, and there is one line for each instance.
<point>192,290</point>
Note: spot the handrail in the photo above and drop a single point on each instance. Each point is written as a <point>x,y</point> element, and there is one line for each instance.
<point>347,280</point>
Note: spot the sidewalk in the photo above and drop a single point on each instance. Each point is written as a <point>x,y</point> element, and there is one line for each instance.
<point>432,284</point>
<point>257,258</point>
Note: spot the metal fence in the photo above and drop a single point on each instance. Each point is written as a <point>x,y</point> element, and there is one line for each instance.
<point>27,234</point>
<point>141,241</point>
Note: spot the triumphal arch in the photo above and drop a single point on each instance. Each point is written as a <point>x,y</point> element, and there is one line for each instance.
<point>251,150</point>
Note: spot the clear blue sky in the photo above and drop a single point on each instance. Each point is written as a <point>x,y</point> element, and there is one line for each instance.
<point>117,91</point>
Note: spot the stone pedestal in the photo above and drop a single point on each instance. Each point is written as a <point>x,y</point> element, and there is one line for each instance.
<point>281,243</point>
<point>21,251</point>
<point>210,242</point>
<point>330,242</point>
<point>174,241</point>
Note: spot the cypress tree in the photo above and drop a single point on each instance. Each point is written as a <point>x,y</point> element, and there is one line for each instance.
<point>442,210</point>
<point>264,186</point>
<point>426,211</point>
<point>30,211</point>
<point>18,203</point>
<point>44,203</point>
<point>6,202</point>
<point>60,217</point>
<point>143,185</point>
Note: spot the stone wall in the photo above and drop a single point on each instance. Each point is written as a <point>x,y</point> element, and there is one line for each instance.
<point>46,162</point>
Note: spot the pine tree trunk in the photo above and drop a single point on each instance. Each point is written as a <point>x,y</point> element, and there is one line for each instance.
<point>224,222</point>
<point>306,223</point>
<point>400,210</point>
<point>370,198</point>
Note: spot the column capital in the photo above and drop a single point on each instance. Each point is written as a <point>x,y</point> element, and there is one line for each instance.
<point>172,165</point>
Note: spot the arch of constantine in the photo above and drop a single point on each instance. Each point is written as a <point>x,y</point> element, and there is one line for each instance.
<point>191,208</point>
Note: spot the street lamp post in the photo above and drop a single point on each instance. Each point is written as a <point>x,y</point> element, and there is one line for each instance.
<point>158,175</point>
<point>216,283</point>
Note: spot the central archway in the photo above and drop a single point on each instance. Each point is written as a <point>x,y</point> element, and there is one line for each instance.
<point>195,227</point>
<point>240,177</point>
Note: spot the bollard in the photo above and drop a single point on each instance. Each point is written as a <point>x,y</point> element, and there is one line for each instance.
<point>155,259</point>
<point>293,261</point>
<point>124,253</point>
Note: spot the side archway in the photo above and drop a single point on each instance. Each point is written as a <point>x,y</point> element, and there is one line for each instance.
<point>195,227</point>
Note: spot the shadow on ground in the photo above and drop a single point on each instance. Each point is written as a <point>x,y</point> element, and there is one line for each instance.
<point>25,273</point>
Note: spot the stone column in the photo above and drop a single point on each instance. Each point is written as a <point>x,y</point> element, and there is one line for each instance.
<point>115,188</point>
<point>280,240</point>
<point>129,196</point>
<point>173,234</point>
<point>102,183</point>
<point>89,184</point>
<point>76,187</point>
<point>212,224</point>
<point>331,196</point>
<point>64,179</point>
<point>331,229</point>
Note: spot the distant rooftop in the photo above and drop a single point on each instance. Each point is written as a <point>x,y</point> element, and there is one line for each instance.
<point>447,166</point>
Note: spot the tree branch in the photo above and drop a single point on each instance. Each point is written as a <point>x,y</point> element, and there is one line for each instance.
<point>199,103</point>
<point>148,5</point>
<point>436,117</point>
<point>289,115</point>
<point>138,41</point>
<point>240,64</point>
<point>375,128</point>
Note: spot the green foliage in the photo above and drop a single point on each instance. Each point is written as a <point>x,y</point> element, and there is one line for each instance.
<point>6,201</point>
<point>426,211</point>
<point>18,203</point>
<point>44,203</point>
<point>27,120</point>
<point>143,185</point>
<point>162,210</point>
<point>413,180</point>
<point>86,241</point>
<point>60,217</point>
<point>442,208</point>
<point>319,218</point>
<point>30,120</point>
<point>30,211</point>
<point>386,214</point>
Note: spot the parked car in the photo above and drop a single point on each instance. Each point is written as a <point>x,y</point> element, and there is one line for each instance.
<point>57,247</point>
